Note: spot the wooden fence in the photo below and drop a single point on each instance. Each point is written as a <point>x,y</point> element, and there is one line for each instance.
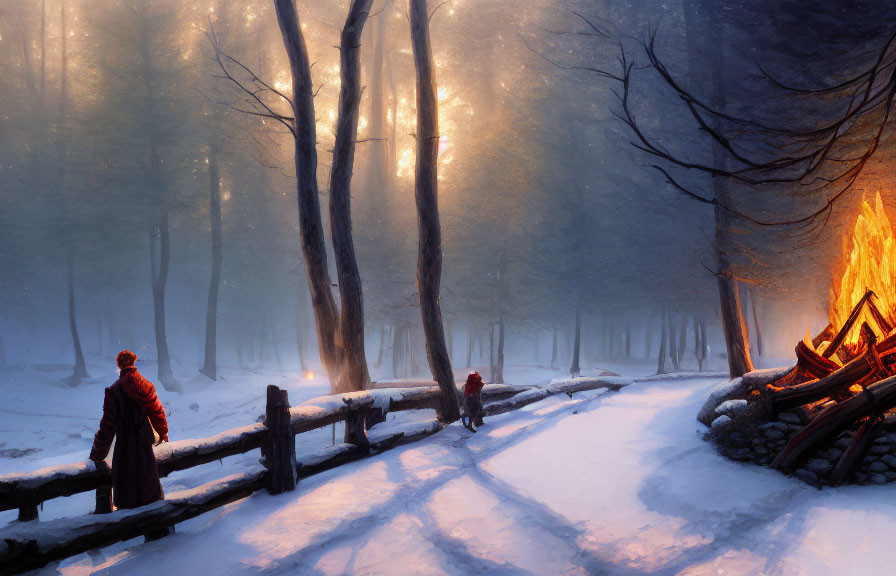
<point>30,543</point>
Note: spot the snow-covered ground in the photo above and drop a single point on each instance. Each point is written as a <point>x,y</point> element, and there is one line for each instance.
<point>603,483</point>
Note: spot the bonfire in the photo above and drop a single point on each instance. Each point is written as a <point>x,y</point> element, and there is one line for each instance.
<point>822,417</point>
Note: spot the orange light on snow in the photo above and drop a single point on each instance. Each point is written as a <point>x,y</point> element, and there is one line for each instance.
<point>870,266</point>
<point>309,375</point>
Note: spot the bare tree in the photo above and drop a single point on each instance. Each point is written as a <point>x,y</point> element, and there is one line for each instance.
<point>429,260</point>
<point>664,339</point>
<point>700,29</point>
<point>80,369</point>
<point>700,342</point>
<point>682,338</point>
<point>757,330</point>
<point>767,158</point>
<point>159,232</point>
<point>379,167</point>
<point>673,344</point>
<point>499,362</point>
<point>575,369</point>
<point>210,364</point>
<point>340,335</point>
<point>353,374</point>
<point>304,132</point>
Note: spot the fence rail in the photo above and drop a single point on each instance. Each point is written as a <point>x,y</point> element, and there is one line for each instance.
<point>31,489</point>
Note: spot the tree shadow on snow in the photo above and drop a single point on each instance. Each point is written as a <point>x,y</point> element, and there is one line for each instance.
<point>453,553</point>
<point>735,521</point>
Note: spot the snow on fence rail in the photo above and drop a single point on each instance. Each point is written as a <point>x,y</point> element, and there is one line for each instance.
<point>26,545</point>
<point>31,489</point>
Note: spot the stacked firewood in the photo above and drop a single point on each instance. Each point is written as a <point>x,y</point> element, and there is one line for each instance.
<point>828,410</point>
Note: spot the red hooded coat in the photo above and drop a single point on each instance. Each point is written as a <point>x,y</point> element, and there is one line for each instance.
<point>131,410</point>
<point>474,385</point>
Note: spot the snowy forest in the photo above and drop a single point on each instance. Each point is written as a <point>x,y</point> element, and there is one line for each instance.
<point>143,190</point>
<point>660,217</point>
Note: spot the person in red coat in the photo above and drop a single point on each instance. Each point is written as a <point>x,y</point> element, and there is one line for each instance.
<point>473,401</point>
<point>131,411</point>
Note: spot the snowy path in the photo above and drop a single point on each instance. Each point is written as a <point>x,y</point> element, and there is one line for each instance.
<point>625,486</point>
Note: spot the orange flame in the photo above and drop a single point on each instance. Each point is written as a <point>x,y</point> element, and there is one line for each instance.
<point>870,266</point>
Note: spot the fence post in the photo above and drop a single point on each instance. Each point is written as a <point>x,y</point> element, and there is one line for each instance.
<point>279,449</point>
<point>104,493</point>
<point>28,511</point>
<point>103,500</point>
<point>356,427</point>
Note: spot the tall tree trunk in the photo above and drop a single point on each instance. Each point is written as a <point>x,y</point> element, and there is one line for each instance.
<point>398,339</point>
<point>499,363</point>
<point>699,343</point>
<point>156,185</point>
<point>596,338</point>
<point>673,345</point>
<point>382,347</point>
<point>758,331</point>
<point>682,338</point>
<point>554,350</point>
<point>574,369</point>
<point>160,278</point>
<point>410,354</point>
<point>378,158</point>
<point>310,224</point>
<point>79,371</point>
<point>429,260</point>
<point>628,341</point>
<point>701,28</point>
<point>491,353</point>
<point>664,337</point>
<point>262,339</point>
<point>210,365</point>
<point>703,342</point>
<point>353,374</point>
<point>737,341</point>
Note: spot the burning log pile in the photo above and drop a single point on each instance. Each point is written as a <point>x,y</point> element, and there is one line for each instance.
<point>831,419</point>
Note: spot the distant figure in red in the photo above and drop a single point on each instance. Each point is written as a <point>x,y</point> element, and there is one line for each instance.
<point>131,411</point>
<point>473,401</point>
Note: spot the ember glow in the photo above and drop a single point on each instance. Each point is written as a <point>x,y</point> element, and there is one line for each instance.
<point>872,258</point>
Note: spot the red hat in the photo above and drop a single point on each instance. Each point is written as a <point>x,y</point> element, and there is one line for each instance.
<point>125,358</point>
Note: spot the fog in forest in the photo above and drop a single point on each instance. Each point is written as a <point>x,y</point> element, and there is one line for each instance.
<point>127,126</point>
